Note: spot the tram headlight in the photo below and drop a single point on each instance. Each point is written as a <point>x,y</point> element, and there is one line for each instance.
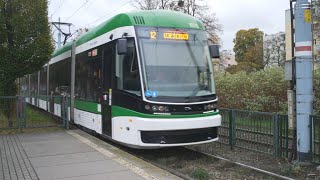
<point>209,107</point>
<point>166,108</point>
<point>154,108</point>
<point>147,107</point>
<point>161,108</point>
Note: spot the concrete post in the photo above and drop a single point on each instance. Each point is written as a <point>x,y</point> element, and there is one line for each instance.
<point>304,77</point>
<point>48,85</point>
<point>73,66</point>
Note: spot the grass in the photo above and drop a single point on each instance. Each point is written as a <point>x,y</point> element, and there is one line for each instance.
<point>291,169</point>
<point>34,120</point>
<point>4,121</point>
<point>200,174</point>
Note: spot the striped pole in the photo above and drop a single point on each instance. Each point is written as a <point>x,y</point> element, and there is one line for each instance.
<point>304,77</point>
<point>304,48</point>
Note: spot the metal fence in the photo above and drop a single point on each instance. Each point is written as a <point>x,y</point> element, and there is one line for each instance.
<point>22,112</point>
<point>258,131</point>
<point>315,138</point>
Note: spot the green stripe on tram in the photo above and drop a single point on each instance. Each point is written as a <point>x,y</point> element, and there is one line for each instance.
<point>119,111</point>
<point>86,106</point>
<point>154,18</point>
<point>63,49</point>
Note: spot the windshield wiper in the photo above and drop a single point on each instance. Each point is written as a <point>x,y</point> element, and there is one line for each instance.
<point>195,92</point>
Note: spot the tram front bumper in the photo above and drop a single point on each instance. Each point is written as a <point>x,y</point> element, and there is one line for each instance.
<point>155,133</point>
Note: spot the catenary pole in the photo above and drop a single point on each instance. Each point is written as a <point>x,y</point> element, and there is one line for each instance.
<point>304,77</point>
<point>59,35</point>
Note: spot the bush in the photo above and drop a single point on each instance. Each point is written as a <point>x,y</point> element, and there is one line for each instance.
<point>7,106</point>
<point>264,90</point>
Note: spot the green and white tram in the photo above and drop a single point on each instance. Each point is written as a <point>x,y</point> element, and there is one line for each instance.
<point>144,79</point>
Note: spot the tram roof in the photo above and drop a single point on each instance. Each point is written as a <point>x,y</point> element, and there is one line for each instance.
<point>158,18</point>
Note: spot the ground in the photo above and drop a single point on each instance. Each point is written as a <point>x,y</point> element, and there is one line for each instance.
<point>263,161</point>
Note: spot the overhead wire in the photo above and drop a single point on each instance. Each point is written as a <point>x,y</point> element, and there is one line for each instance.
<point>58,8</point>
<point>91,4</point>
<point>127,2</point>
<point>77,10</point>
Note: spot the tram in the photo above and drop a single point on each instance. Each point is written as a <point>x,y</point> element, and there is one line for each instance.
<point>143,79</point>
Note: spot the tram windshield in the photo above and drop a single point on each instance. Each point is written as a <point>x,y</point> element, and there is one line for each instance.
<point>176,63</point>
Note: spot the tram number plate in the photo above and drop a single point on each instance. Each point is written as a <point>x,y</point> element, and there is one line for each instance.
<point>176,36</point>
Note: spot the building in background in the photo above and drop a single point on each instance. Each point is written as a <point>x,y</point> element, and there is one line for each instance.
<point>227,59</point>
<point>288,34</point>
<point>274,50</point>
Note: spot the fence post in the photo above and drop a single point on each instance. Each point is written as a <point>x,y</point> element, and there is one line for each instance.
<point>232,128</point>
<point>276,135</point>
<point>287,135</point>
<point>19,110</point>
<point>67,111</point>
<point>64,111</point>
<point>311,136</point>
<point>62,100</point>
<point>24,112</point>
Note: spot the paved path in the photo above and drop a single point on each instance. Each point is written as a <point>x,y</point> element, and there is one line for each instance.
<point>72,155</point>
<point>14,162</point>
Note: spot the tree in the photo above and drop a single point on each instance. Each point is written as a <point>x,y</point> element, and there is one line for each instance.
<point>149,4</point>
<point>274,52</point>
<point>196,8</point>
<point>316,15</point>
<point>248,48</point>
<point>25,42</point>
<point>316,25</point>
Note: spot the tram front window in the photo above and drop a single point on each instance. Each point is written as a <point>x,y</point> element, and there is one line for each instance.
<point>127,70</point>
<point>176,63</point>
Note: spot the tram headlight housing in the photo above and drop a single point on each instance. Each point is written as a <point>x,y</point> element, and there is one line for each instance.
<point>154,108</point>
<point>157,108</point>
<point>209,107</point>
<point>147,107</point>
<point>161,108</point>
<point>166,108</point>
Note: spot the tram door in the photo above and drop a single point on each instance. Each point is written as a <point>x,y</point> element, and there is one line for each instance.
<point>107,63</point>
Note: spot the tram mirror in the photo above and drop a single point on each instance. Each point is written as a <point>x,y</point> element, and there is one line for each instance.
<point>122,46</point>
<point>214,51</point>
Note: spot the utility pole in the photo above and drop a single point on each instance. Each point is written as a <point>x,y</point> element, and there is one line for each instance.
<point>304,77</point>
<point>59,34</point>
<point>66,34</point>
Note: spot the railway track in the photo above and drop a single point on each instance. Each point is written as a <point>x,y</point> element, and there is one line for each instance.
<point>184,162</point>
<point>192,164</point>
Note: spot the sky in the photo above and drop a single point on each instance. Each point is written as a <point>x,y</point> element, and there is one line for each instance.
<point>233,15</point>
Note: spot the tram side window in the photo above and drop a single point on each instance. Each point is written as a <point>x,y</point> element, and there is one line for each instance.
<point>127,70</point>
<point>88,79</point>
<point>94,79</point>
<point>60,77</point>
<point>43,81</point>
<point>34,84</point>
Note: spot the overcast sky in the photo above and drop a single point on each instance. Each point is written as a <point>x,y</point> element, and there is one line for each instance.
<point>267,15</point>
